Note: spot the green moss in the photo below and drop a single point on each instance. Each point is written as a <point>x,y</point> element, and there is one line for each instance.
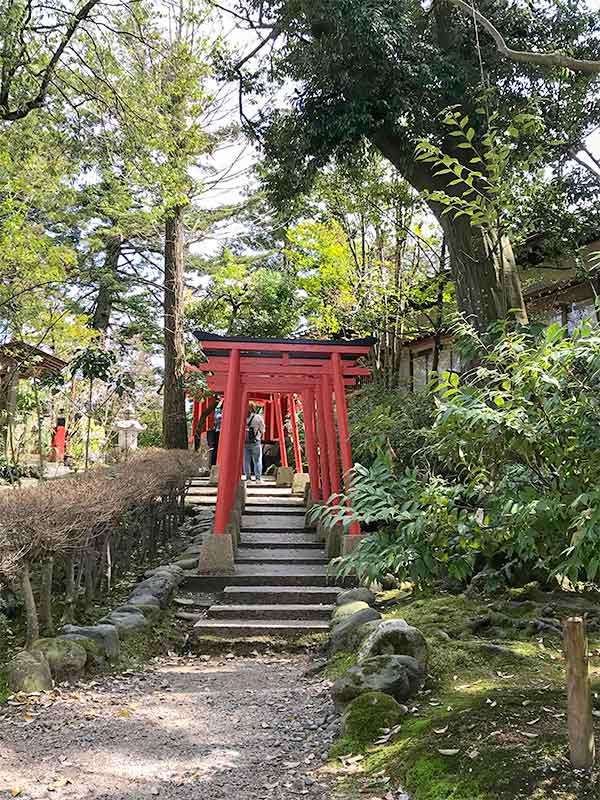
<point>348,609</point>
<point>140,648</point>
<point>366,715</point>
<point>5,691</point>
<point>482,702</point>
<point>431,779</point>
<point>339,664</point>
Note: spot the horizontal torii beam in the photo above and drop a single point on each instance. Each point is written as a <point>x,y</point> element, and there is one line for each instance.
<point>279,367</point>
<point>285,347</point>
<point>217,383</point>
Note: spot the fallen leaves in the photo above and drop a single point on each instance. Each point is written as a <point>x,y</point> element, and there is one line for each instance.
<point>387,734</point>
<point>450,752</point>
<point>59,783</point>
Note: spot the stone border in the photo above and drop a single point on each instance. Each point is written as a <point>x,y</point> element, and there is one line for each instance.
<point>79,648</point>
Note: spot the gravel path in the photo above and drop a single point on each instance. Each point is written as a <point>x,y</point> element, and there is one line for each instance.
<point>235,729</point>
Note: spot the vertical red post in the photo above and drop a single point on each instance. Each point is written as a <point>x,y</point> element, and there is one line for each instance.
<point>310,441</point>
<point>280,431</point>
<point>228,444</point>
<point>196,414</point>
<point>295,434</point>
<point>242,437</point>
<point>330,434</point>
<point>343,426</point>
<point>322,443</point>
<point>268,414</point>
<point>272,420</point>
<point>342,413</point>
<point>59,438</point>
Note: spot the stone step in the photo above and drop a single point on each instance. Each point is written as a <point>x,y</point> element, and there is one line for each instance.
<point>279,502</point>
<point>283,505</point>
<point>240,627</point>
<point>253,508</point>
<point>279,611</point>
<point>266,540</point>
<point>280,556</point>
<point>288,594</point>
<point>265,522</point>
<point>265,575</point>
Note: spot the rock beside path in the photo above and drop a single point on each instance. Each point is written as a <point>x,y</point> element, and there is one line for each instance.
<point>28,672</point>
<point>396,637</point>
<point>105,635</point>
<point>127,620</point>
<point>366,715</point>
<point>397,676</point>
<point>66,658</point>
<point>361,594</point>
<point>342,637</point>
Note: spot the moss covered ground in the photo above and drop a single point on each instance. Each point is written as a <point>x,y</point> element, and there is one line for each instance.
<point>490,723</point>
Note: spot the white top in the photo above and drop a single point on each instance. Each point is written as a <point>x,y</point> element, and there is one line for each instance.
<point>258,424</point>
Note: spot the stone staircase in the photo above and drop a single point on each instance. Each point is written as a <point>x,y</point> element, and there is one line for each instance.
<point>280,587</point>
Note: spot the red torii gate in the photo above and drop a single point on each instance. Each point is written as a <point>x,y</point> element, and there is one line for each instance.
<point>272,371</point>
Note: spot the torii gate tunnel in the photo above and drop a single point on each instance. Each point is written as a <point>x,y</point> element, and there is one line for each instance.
<point>280,374</point>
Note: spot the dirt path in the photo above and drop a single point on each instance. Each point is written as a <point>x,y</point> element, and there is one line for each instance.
<point>237,729</point>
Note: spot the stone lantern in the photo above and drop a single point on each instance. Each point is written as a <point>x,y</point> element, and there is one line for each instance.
<point>128,428</point>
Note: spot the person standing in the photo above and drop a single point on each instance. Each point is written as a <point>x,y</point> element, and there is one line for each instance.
<point>255,430</point>
<point>214,434</point>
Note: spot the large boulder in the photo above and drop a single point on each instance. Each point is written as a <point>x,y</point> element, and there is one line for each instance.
<point>146,600</point>
<point>173,572</point>
<point>398,676</point>
<point>127,621</point>
<point>342,634</point>
<point>94,650</point>
<point>66,659</point>
<point>160,585</point>
<point>346,610</point>
<point>362,632</point>
<point>365,716</point>
<point>396,637</point>
<point>135,606</point>
<point>28,671</point>
<point>106,636</point>
<point>361,594</point>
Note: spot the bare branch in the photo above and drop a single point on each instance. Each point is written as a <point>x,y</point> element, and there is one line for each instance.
<point>553,59</point>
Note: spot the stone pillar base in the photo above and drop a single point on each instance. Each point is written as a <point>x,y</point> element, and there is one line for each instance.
<point>242,495</point>
<point>320,532</point>
<point>299,483</point>
<point>217,555</point>
<point>333,541</point>
<point>350,543</point>
<point>284,477</point>
<point>235,527</point>
<point>213,479</point>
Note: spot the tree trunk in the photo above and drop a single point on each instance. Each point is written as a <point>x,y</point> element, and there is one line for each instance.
<point>70,590</point>
<point>45,613</point>
<point>31,616</point>
<point>487,284</point>
<point>106,289</point>
<point>174,418</point>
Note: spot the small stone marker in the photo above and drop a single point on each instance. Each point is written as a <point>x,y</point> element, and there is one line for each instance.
<point>579,694</point>
<point>284,476</point>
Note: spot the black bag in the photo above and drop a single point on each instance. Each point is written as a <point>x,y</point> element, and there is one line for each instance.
<point>251,437</point>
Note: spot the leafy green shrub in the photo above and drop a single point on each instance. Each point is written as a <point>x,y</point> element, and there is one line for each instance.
<point>510,477</point>
<point>384,421</point>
